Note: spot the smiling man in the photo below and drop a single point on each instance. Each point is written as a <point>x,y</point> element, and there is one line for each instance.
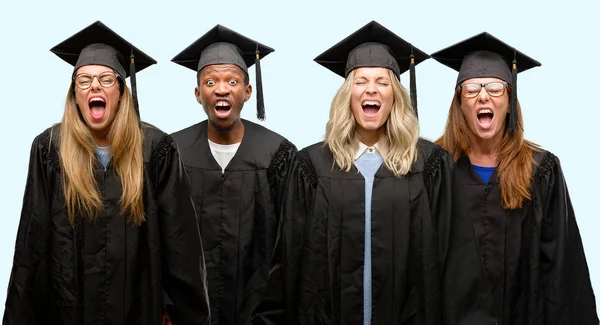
<point>237,171</point>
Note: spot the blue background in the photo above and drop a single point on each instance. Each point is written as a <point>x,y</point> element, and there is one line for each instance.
<point>559,100</point>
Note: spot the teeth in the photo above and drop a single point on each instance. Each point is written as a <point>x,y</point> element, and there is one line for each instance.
<point>371,102</point>
<point>222,104</point>
<point>484,111</point>
<point>97,99</point>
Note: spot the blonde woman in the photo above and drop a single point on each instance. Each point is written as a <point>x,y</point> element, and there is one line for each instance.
<point>367,213</point>
<point>107,219</point>
<point>515,192</point>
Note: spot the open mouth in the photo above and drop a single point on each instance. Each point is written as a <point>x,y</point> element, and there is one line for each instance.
<point>485,117</point>
<point>222,108</point>
<point>97,107</point>
<point>371,107</point>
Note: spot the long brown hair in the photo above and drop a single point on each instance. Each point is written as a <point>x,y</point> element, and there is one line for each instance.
<point>515,157</point>
<point>77,159</point>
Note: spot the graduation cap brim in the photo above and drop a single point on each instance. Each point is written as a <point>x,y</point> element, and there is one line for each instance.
<point>190,56</point>
<point>453,55</point>
<point>336,57</point>
<point>485,56</point>
<point>70,49</point>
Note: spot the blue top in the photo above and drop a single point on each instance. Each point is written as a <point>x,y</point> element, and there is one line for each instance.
<point>103,155</point>
<point>368,164</point>
<point>484,172</point>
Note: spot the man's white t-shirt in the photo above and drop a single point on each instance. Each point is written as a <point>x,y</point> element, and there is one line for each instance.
<point>223,153</point>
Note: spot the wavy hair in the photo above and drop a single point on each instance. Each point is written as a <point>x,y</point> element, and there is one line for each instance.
<point>400,131</point>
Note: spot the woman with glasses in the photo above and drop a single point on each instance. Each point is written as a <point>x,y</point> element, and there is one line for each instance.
<point>107,221</point>
<point>515,192</point>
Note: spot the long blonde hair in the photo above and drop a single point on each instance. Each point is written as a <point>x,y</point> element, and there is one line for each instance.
<point>515,157</point>
<point>77,159</point>
<point>400,136</point>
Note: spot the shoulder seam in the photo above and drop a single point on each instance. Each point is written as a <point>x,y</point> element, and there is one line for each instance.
<point>433,162</point>
<point>280,155</point>
<point>48,150</point>
<point>306,167</point>
<point>162,148</point>
<point>545,167</point>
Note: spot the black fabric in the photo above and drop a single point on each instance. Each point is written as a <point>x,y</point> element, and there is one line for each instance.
<point>371,54</point>
<point>533,256</point>
<point>513,118</point>
<point>98,44</point>
<point>222,53</point>
<point>370,46</point>
<point>107,271</point>
<point>483,56</point>
<point>221,45</point>
<point>102,54</point>
<point>422,255</point>
<point>238,213</point>
<point>413,85</point>
<point>260,98</point>
<point>480,64</point>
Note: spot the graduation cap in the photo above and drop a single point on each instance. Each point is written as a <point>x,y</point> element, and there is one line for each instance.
<point>98,44</point>
<point>221,45</point>
<point>374,46</point>
<point>485,56</point>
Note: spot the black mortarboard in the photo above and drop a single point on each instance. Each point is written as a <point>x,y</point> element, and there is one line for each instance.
<point>98,44</point>
<point>485,56</point>
<point>374,46</point>
<point>221,45</point>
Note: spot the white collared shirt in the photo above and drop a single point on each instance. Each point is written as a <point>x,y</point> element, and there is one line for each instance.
<point>362,148</point>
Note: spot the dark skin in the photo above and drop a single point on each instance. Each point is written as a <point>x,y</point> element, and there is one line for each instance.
<point>222,91</point>
<point>218,85</point>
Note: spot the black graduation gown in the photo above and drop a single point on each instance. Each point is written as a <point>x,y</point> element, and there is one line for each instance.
<point>415,242</point>
<point>238,213</point>
<point>107,271</point>
<point>533,256</point>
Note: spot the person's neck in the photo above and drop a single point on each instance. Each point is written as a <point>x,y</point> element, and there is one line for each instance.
<point>101,139</point>
<point>485,152</point>
<point>369,137</point>
<point>230,136</point>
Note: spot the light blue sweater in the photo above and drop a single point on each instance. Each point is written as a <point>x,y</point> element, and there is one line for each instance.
<point>368,164</point>
<point>103,155</point>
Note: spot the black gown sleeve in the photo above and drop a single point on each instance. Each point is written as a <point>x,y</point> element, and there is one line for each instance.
<point>271,309</point>
<point>466,298</point>
<point>438,174</point>
<point>183,268</point>
<point>25,301</point>
<point>297,208</point>
<point>569,297</point>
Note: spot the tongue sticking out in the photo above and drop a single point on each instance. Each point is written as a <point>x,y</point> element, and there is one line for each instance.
<point>97,110</point>
<point>97,113</point>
